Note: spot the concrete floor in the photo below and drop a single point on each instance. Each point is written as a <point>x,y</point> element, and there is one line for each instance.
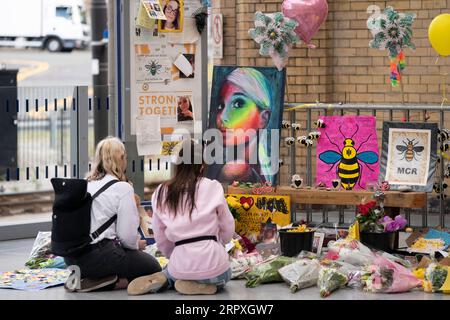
<point>13,255</point>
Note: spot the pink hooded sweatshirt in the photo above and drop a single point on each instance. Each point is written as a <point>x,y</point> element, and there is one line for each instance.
<point>200,260</point>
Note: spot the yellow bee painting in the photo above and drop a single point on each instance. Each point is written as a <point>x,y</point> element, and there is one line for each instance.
<point>349,168</point>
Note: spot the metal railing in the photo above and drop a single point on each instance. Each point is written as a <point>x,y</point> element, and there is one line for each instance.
<point>55,137</point>
<point>307,114</point>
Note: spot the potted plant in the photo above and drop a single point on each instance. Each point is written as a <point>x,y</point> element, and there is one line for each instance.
<point>377,229</point>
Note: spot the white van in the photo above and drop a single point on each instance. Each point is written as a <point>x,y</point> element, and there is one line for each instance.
<point>56,25</point>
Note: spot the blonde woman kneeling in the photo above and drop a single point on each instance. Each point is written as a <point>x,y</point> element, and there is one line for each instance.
<point>113,259</point>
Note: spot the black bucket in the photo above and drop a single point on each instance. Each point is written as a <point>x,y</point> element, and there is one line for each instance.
<point>292,243</point>
<point>385,241</point>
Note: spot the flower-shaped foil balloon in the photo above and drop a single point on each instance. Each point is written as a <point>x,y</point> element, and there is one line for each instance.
<point>392,31</point>
<point>276,36</point>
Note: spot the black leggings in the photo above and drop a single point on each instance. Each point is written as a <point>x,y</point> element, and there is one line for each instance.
<point>110,258</point>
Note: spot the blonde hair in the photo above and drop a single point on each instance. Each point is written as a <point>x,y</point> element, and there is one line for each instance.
<point>108,160</point>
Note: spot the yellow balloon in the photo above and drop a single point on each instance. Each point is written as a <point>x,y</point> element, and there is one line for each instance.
<point>439,34</point>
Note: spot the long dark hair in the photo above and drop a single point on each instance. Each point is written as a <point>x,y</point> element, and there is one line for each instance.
<point>178,193</point>
<point>175,23</point>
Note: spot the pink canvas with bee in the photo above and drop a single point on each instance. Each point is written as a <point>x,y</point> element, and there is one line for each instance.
<point>348,152</point>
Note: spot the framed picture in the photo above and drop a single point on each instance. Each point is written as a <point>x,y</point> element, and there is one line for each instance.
<point>246,107</point>
<point>174,12</point>
<point>409,156</point>
<point>318,242</point>
<point>347,152</point>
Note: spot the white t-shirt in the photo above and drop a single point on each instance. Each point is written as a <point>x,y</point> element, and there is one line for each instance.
<point>117,199</point>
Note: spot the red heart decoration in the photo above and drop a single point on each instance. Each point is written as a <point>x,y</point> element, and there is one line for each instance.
<point>248,200</point>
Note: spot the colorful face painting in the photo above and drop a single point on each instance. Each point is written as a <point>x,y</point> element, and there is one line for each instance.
<point>245,99</point>
<point>347,150</point>
<point>409,155</point>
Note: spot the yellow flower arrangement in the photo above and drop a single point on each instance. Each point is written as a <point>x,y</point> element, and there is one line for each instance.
<point>301,228</point>
<point>419,273</point>
<point>423,243</point>
<point>233,202</point>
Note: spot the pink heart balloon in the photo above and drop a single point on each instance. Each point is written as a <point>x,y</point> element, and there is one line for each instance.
<point>310,14</point>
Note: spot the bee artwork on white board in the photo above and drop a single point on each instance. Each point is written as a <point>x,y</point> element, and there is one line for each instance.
<point>409,155</point>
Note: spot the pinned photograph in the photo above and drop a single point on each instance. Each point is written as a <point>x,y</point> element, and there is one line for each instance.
<point>191,59</point>
<point>153,8</point>
<point>173,10</point>
<point>185,111</point>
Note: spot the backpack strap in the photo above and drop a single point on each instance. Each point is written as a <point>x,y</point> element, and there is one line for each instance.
<point>106,186</point>
<point>94,235</point>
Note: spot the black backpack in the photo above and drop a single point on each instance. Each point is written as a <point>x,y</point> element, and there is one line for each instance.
<point>71,221</point>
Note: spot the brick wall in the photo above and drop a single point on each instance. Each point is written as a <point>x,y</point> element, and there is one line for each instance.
<point>342,68</point>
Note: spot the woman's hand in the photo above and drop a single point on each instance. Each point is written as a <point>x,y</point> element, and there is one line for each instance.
<point>188,113</point>
<point>137,199</point>
<point>142,244</point>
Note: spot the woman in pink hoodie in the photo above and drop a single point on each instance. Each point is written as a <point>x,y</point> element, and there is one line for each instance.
<point>191,224</point>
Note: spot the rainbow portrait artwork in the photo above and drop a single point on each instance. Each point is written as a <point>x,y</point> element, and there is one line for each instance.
<point>246,98</point>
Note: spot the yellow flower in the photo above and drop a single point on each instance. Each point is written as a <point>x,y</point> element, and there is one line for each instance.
<point>233,202</point>
<point>419,273</point>
<point>427,286</point>
<point>301,228</point>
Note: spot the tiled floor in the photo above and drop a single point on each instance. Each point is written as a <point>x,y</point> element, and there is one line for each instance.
<point>13,255</point>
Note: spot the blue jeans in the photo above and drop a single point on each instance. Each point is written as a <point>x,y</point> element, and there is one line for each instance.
<point>219,281</point>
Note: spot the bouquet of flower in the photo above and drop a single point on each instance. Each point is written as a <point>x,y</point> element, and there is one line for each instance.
<point>388,277</point>
<point>330,279</point>
<point>242,264</point>
<point>267,271</point>
<point>301,274</point>
<point>435,278</point>
<point>234,205</point>
<point>371,218</point>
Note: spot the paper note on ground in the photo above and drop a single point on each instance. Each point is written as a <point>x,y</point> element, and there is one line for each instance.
<point>148,135</point>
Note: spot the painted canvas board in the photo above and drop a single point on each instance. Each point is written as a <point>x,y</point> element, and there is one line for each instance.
<point>347,150</point>
<point>409,155</point>
<point>245,98</point>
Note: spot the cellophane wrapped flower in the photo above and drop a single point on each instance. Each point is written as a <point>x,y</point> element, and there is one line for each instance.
<point>387,276</point>
<point>301,274</point>
<point>435,277</point>
<point>330,279</point>
<point>267,272</point>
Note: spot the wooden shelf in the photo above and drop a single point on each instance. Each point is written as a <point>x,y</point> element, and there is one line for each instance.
<point>396,199</point>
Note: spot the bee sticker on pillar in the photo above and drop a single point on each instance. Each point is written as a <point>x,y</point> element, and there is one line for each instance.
<point>296,126</point>
<point>347,150</point>
<point>409,155</point>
